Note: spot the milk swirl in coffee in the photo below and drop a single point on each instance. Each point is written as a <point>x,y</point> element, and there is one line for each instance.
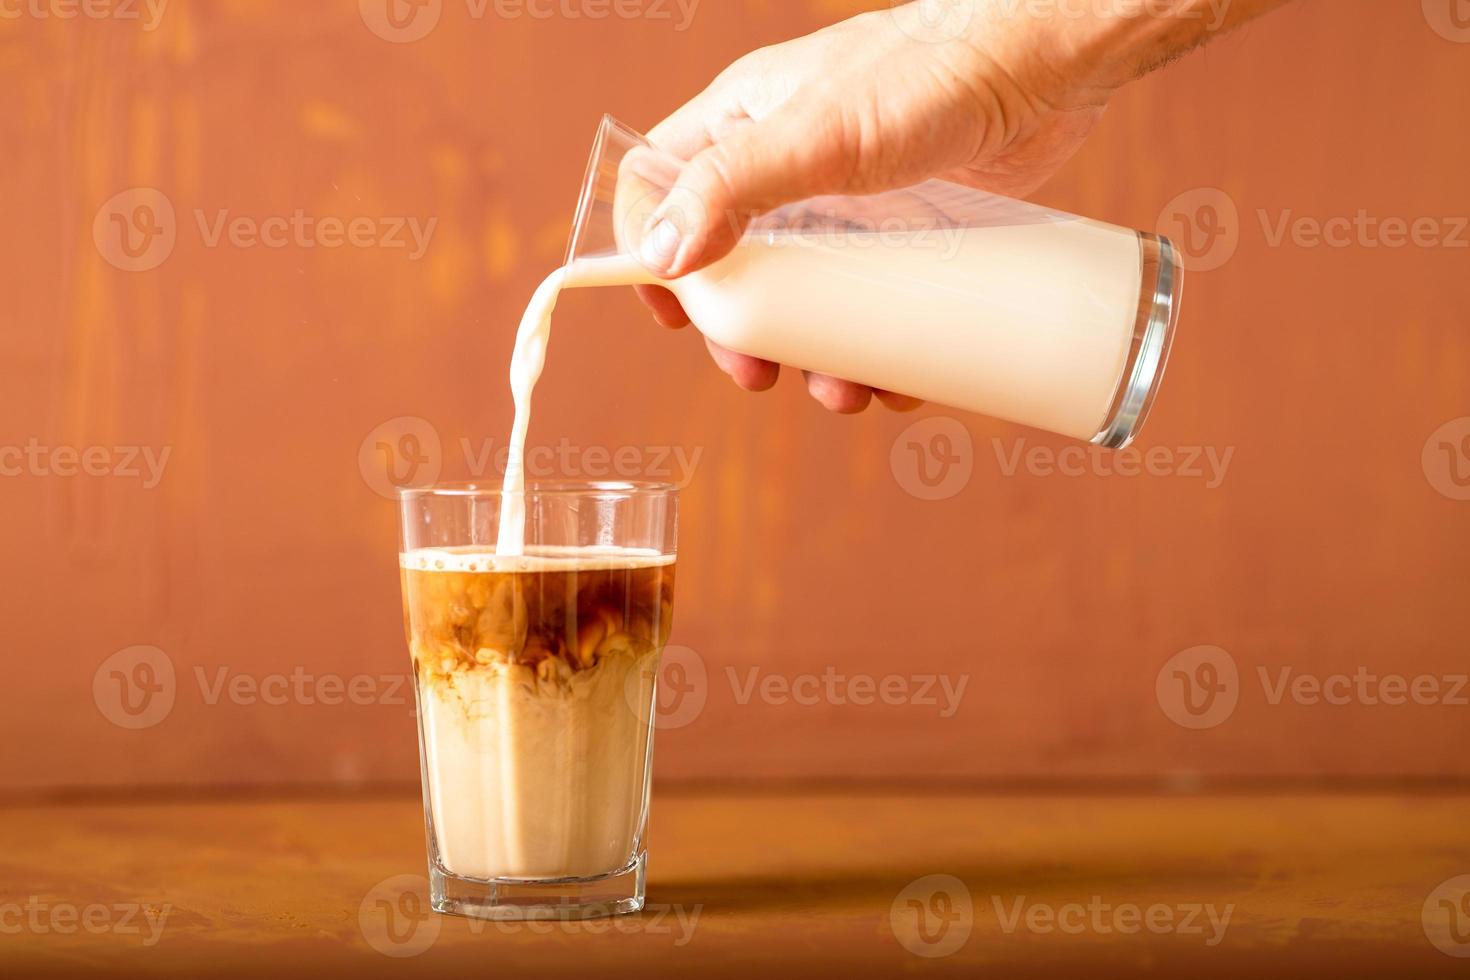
<point>536,681</point>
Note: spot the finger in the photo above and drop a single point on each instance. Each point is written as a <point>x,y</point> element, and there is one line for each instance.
<point>896,402</point>
<point>708,117</point>
<point>664,305</point>
<point>789,156</point>
<point>692,127</point>
<point>836,395</point>
<point>750,373</point>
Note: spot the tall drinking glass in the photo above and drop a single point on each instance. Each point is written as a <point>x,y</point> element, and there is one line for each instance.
<point>535,678</point>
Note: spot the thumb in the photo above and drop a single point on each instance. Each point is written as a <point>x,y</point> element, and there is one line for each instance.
<point>786,157</point>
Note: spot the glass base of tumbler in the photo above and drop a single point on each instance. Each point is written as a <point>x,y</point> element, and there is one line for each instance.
<point>520,899</point>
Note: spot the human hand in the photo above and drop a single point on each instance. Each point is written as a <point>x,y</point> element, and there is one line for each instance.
<point>866,105</point>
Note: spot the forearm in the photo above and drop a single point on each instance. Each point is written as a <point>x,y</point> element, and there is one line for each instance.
<point>1092,47</point>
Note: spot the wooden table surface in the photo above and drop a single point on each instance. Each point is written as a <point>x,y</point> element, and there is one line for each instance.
<point>767,882</point>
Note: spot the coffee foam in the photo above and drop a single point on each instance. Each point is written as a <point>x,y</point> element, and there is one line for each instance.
<point>547,558</point>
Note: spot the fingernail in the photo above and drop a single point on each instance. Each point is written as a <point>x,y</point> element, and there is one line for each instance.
<point>660,247</point>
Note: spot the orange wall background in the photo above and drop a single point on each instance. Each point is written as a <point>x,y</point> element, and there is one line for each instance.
<point>1335,541</point>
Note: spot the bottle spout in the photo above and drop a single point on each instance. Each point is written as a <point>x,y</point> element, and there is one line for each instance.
<point>610,270</point>
<point>627,179</point>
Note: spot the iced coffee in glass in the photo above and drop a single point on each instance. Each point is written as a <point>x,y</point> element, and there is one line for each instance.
<point>535,676</point>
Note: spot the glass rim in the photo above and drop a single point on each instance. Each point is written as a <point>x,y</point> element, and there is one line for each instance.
<point>602,489</point>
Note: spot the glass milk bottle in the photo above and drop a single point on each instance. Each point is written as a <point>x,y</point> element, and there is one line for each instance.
<point>952,295</point>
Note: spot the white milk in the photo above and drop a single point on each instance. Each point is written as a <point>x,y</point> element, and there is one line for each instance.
<point>1029,322</point>
<point>526,365</point>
